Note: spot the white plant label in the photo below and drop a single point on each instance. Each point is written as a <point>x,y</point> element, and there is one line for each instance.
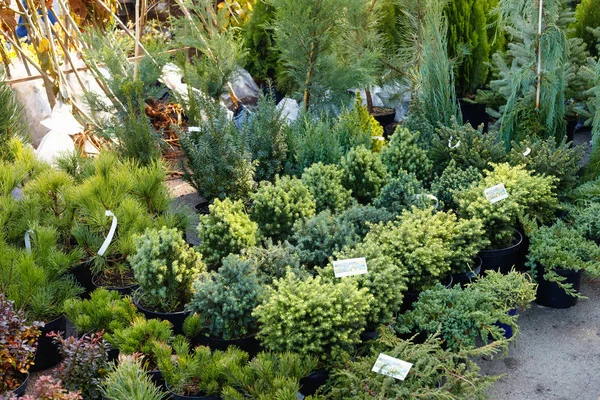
<point>193,129</point>
<point>527,152</point>
<point>111,233</point>
<point>349,267</point>
<point>28,240</point>
<point>430,197</point>
<point>450,146</point>
<point>390,366</point>
<point>496,193</point>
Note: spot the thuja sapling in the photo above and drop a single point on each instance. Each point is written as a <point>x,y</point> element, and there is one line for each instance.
<point>227,229</point>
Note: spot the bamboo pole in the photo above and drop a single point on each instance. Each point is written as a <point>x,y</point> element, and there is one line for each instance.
<point>539,61</point>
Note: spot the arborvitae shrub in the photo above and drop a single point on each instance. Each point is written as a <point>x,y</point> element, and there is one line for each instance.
<point>225,230</point>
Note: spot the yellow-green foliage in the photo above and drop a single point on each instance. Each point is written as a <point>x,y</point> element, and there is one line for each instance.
<point>364,174</point>
<point>165,267</point>
<point>278,206</point>
<point>429,245</point>
<point>225,230</point>
<point>313,317</point>
<point>528,194</point>
<point>403,153</point>
<point>324,182</point>
<point>386,281</point>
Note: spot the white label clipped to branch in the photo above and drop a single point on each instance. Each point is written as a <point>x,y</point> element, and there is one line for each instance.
<point>194,129</point>
<point>496,193</point>
<point>111,233</point>
<point>349,267</point>
<point>390,366</point>
<point>527,152</point>
<point>28,240</point>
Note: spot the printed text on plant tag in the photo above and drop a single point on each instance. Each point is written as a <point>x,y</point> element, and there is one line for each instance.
<point>496,193</point>
<point>351,266</point>
<point>390,366</point>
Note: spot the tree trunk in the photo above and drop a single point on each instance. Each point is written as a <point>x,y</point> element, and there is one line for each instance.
<point>369,100</point>
<point>311,57</point>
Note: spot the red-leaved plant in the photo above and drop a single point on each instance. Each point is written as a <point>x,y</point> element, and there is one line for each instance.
<point>18,344</point>
<point>48,388</point>
<point>85,363</point>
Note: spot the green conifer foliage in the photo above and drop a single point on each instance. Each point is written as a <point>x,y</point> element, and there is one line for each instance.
<point>11,122</point>
<point>587,15</point>
<point>467,30</point>
<point>520,116</point>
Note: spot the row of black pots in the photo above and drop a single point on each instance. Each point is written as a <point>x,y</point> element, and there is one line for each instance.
<point>549,294</point>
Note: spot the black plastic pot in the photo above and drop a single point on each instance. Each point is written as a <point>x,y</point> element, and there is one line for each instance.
<point>157,378</point>
<point>249,343</point>
<point>20,391</point>
<point>369,335</point>
<point>311,383</point>
<point>202,207</point>
<point>522,253</point>
<point>124,290</point>
<point>83,275</point>
<point>175,318</point>
<point>474,114</point>
<point>549,294</point>
<point>411,297</point>
<point>571,126</point>
<point>175,396</point>
<point>508,331</point>
<point>385,118</point>
<point>466,277</point>
<point>48,354</point>
<point>113,355</point>
<point>501,259</point>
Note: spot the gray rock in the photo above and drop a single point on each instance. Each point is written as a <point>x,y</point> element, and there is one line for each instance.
<point>245,89</point>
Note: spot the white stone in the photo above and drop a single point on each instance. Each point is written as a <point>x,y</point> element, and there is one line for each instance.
<point>290,107</point>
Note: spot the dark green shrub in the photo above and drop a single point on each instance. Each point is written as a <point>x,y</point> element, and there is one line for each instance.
<point>400,193</point>
<point>225,299</point>
<point>587,17</point>
<point>453,179</point>
<point>273,260</point>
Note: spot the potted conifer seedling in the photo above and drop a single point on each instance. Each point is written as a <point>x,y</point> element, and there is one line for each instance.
<point>165,267</point>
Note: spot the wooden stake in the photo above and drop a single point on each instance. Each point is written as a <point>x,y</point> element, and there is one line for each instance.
<point>539,63</point>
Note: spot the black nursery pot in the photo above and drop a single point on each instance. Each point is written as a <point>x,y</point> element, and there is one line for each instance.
<point>175,396</point>
<point>249,343</point>
<point>202,207</point>
<point>175,318</point>
<point>467,277</point>
<point>502,259</point>
<point>411,297</point>
<point>20,391</point>
<point>474,114</point>
<point>311,383</point>
<point>48,354</point>
<point>83,275</point>
<point>123,290</point>
<point>384,116</point>
<point>508,331</point>
<point>549,294</point>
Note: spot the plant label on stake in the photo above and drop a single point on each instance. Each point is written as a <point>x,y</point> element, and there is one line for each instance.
<point>496,193</point>
<point>111,233</point>
<point>349,267</point>
<point>28,240</point>
<point>390,366</point>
